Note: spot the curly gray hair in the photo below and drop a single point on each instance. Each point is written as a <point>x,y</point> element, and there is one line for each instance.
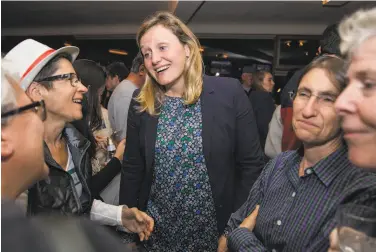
<point>8,97</point>
<point>356,29</point>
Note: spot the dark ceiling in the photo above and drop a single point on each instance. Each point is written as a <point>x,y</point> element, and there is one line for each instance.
<point>242,31</point>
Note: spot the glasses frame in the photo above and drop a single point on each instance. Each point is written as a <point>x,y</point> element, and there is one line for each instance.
<point>68,76</point>
<point>33,105</point>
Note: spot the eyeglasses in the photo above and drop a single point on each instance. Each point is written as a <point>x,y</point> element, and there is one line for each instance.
<point>74,79</point>
<point>38,107</point>
<point>304,96</point>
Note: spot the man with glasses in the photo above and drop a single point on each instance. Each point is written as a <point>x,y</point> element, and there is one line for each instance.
<point>22,160</point>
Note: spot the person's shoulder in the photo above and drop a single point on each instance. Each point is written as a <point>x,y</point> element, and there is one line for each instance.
<point>221,80</point>
<point>224,85</point>
<point>125,88</point>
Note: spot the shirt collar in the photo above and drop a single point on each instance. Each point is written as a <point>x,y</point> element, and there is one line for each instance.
<point>328,168</point>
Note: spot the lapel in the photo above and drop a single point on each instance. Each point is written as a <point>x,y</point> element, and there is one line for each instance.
<point>151,123</point>
<point>207,110</point>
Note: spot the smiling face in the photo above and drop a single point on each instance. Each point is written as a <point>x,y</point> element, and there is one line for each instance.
<point>356,106</point>
<point>64,99</point>
<point>164,56</point>
<point>315,121</point>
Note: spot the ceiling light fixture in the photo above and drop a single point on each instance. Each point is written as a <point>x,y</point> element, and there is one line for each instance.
<point>118,52</point>
<point>302,42</point>
<point>334,4</point>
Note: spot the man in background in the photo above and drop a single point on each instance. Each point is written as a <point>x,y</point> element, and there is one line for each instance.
<point>121,97</point>
<point>116,73</point>
<point>247,77</point>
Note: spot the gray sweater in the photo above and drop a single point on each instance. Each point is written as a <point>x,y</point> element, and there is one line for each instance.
<point>118,107</point>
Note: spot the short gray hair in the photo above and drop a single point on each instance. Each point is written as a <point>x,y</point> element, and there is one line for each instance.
<point>8,97</point>
<point>356,29</point>
<point>137,62</point>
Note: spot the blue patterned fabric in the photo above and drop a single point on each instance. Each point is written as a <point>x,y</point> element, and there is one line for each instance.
<point>181,201</point>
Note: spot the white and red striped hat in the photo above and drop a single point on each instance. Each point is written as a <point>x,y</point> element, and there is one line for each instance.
<point>29,57</point>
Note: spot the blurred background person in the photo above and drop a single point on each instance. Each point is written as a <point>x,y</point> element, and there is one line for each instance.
<point>116,73</point>
<point>356,104</point>
<point>192,151</point>
<point>100,133</point>
<point>118,105</point>
<point>274,136</point>
<point>247,76</point>
<point>262,102</point>
<point>93,77</point>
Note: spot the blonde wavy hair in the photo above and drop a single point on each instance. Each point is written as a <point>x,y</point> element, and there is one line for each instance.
<point>152,94</point>
<point>355,29</point>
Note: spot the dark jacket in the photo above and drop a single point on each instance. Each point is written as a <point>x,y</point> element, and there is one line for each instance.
<point>263,108</point>
<point>230,144</point>
<point>53,234</point>
<point>57,193</point>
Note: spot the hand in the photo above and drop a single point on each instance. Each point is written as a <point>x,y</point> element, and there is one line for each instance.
<point>250,221</point>
<point>334,246</point>
<point>138,222</point>
<point>222,244</point>
<point>120,150</point>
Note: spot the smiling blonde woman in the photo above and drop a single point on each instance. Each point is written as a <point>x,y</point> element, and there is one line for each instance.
<point>192,151</point>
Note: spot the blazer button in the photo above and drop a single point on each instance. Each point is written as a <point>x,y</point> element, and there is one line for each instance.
<point>220,206</point>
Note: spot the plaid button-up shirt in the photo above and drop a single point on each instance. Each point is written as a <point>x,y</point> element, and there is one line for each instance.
<point>297,213</point>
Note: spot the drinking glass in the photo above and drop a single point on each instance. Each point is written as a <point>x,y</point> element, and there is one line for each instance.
<point>356,228</point>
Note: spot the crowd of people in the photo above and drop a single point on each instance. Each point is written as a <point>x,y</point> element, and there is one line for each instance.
<point>167,158</point>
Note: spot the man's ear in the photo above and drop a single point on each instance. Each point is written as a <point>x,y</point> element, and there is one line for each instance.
<point>35,91</point>
<point>7,145</point>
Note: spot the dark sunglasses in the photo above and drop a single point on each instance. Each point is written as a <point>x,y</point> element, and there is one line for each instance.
<point>74,79</point>
<point>38,107</point>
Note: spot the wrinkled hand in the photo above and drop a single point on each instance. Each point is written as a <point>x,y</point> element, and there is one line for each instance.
<point>334,245</point>
<point>138,222</point>
<point>222,244</point>
<point>250,221</point>
<point>120,150</point>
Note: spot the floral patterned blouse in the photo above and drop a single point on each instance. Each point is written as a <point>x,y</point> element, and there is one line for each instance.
<point>181,201</point>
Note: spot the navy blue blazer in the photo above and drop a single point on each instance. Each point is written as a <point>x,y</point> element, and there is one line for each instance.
<point>230,143</point>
